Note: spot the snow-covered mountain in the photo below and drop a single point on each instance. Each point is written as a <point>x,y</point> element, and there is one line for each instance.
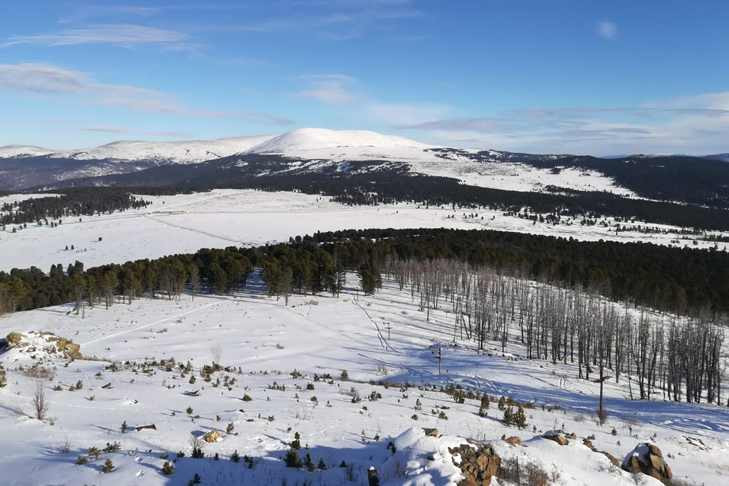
<point>325,152</point>
<point>181,152</point>
<point>7,151</point>
<point>338,145</point>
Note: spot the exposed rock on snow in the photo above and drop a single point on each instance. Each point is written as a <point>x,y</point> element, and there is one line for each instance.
<point>42,345</point>
<point>647,458</point>
<point>556,436</point>
<point>212,436</point>
<point>513,440</point>
<point>478,464</point>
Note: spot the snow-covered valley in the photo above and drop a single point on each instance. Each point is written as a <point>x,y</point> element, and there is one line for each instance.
<point>283,375</point>
<point>225,217</point>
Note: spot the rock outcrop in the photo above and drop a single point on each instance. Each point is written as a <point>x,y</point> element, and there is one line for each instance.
<point>479,463</point>
<point>647,458</point>
<point>212,436</point>
<point>556,436</point>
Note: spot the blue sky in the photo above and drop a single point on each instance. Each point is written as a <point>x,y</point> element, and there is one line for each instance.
<point>603,77</point>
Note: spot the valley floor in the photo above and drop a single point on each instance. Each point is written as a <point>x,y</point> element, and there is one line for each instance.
<point>220,218</point>
<point>381,338</point>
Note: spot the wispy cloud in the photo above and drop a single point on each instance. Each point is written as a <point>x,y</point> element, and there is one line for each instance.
<point>106,11</point>
<point>607,29</point>
<point>348,93</point>
<point>333,19</point>
<point>696,124</point>
<point>131,131</point>
<point>51,80</point>
<point>125,35</point>
<point>398,114</point>
<point>334,89</point>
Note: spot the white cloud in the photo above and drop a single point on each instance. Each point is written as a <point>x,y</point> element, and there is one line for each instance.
<point>396,114</point>
<point>125,35</point>
<point>333,89</point>
<point>607,29</point>
<point>51,80</point>
<point>694,125</point>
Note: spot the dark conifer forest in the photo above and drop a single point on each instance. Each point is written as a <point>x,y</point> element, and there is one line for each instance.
<point>685,281</point>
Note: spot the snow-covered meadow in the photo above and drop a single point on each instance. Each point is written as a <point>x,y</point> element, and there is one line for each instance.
<point>228,217</point>
<point>272,352</point>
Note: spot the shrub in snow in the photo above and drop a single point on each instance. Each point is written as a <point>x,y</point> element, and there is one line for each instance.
<point>108,466</point>
<point>292,459</point>
<point>168,468</point>
<point>113,447</point>
<point>296,443</point>
<point>308,462</point>
<point>502,403</point>
<point>247,398</point>
<point>519,418</point>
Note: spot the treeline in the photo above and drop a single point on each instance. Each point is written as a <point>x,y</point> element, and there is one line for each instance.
<point>51,209</point>
<point>682,281</point>
<point>486,278</point>
<point>381,182</point>
<point>694,180</point>
<point>216,270</point>
<point>677,280</point>
<point>680,359</point>
<point>385,187</point>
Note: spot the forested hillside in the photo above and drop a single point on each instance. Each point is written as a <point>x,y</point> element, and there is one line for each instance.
<point>677,280</point>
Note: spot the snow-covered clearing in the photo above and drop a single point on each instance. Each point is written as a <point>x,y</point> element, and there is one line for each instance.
<point>16,198</point>
<point>381,337</point>
<point>228,217</point>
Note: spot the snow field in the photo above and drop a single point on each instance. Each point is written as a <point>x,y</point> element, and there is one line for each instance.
<point>187,222</point>
<point>381,337</point>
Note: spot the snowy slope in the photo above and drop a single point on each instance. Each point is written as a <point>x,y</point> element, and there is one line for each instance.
<point>189,151</point>
<point>337,145</point>
<point>7,151</point>
<point>187,222</point>
<point>488,169</point>
<point>327,148</point>
<point>314,334</point>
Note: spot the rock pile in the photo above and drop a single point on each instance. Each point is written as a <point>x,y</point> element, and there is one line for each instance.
<point>647,458</point>
<point>479,463</point>
<point>212,436</point>
<point>556,436</point>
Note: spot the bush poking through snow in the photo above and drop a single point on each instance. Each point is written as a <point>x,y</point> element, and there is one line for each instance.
<point>167,468</point>
<point>40,404</point>
<point>529,474</point>
<point>197,448</point>
<point>296,443</point>
<point>292,459</point>
<point>108,466</point>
